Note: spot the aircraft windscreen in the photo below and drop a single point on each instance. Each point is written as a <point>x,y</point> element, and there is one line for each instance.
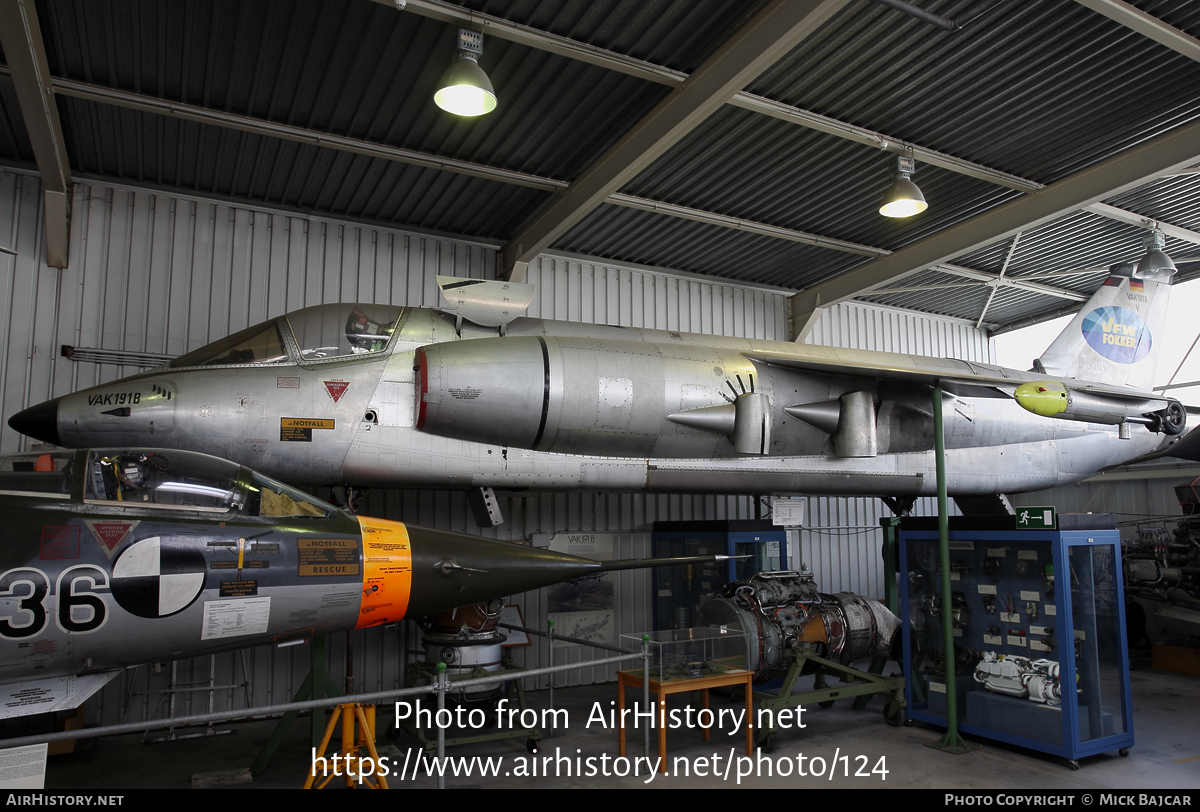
<point>260,344</point>
<point>331,331</point>
<point>270,498</point>
<point>181,480</point>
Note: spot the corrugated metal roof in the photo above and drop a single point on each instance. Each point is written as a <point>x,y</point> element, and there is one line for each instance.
<point>1039,90</point>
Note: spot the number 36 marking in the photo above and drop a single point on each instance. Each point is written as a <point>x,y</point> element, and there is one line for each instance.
<point>79,609</point>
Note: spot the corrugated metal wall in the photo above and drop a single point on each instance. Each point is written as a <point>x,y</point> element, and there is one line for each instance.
<point>1145,502</point>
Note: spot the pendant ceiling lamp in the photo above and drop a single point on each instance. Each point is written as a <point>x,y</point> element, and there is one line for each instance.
<point>1156,262</point>
<point>903,198</point>
<point>464,88</point>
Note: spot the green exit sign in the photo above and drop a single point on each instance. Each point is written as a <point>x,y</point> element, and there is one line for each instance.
<point>1035,518</point>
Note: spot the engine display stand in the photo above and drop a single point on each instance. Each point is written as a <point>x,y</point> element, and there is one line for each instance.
<point>854,683</point>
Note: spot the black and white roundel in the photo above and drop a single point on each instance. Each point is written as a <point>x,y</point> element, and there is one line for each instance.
<point>158,577</point>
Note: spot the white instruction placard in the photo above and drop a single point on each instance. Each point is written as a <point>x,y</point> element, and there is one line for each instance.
<point>23,767</point>
<point>788,511</point>
<point>235,618</point>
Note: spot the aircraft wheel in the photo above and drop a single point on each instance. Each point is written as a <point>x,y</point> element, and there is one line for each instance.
<point>532,745</point>
<point>1173,419</point>
<point>893,714</point>
<point>828,703</point>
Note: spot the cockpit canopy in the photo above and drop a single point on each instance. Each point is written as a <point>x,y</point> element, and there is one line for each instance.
<point>155,479</point>
<point>324,331</point>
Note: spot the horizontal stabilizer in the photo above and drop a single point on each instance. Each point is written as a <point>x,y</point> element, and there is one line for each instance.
<point>1184,447</point>
<point>49,694</point>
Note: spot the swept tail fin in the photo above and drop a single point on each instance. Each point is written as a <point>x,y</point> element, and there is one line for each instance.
<point>1116,337</point>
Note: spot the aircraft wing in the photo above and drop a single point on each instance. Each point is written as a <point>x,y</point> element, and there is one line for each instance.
<point>963,378</point>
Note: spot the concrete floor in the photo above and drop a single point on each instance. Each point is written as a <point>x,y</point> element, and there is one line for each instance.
<point>1166,754</point>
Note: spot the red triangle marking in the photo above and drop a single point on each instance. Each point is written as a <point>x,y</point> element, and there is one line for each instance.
<point>110,533</point>
<point>336,389</point>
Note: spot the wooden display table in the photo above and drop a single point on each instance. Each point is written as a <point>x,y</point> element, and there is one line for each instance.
<point>663,689</point>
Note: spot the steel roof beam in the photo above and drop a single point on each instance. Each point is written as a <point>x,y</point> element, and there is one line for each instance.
<point>235,121</point>
<point>21,37</point>
<point>631,66</point>
<point>1137,20</point>
<point>740,224</point>
<point>985,278</point>
<point>1127,170</point>
<point>754,48</point>
<point>1135,219</point>
<point>997,281</point>
<point>288,132</point>
<point>861,135</point>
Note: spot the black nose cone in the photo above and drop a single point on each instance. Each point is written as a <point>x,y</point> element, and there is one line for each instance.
<point>39,422</point>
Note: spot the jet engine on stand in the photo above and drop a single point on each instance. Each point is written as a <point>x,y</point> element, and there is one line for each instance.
<point>781,612</point>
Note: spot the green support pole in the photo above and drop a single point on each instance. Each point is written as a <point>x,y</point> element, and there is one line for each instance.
<point>891,555</point>
<point>951,742</point>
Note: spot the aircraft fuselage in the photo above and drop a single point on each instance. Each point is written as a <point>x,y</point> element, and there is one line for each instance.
<point>552,406</point>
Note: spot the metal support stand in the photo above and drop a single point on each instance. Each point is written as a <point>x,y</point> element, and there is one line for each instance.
<point>352,741</point>
<point>645,693</point>
<point>952,742</point>
<point>855,683</point>
<point>317,685</point>
<point>550,642</point>
<point>441,731</point>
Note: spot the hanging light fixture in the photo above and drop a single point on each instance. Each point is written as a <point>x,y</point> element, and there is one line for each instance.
<point>903,198</point>
<point>1156,262</point>
<point>464,88</point>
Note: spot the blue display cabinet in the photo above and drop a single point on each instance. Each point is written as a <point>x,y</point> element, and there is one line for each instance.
<point>1039,635</point>
<point>680,589</point>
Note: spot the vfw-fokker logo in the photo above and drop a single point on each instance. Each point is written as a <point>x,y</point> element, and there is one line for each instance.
<point>1118,334</point>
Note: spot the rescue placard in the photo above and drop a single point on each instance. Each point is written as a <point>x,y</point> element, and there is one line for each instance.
<point>300,429</point>
<point>325,557</point>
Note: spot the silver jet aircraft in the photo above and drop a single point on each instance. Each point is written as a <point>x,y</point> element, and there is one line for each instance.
<point>474,396</point>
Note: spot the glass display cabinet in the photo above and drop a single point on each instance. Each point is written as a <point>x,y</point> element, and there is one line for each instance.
<point>680,654</point>
<point>1039,645</point>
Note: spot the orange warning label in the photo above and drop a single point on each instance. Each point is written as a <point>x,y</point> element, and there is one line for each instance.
<point>387,571</point>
